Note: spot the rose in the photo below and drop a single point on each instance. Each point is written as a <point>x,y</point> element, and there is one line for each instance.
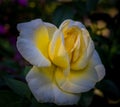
<point>65,62</point>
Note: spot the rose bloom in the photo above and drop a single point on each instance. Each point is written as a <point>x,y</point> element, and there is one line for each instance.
<point>65,62</point>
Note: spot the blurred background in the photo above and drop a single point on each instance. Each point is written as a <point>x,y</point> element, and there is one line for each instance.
<point>102,19</point>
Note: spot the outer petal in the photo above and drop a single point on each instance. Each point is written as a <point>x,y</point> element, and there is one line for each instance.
<point>31,53</point>
<point>77,81</point>
<point>98,66</point>
<point>42,84</point>
<point>82,80</point>
<point>33,42</point>
<point>30,25</point>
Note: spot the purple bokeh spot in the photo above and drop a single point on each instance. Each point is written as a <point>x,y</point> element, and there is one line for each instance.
<point>23,2</point>
<point>2,30</point>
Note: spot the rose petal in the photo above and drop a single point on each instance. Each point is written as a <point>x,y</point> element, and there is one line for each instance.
<point>51,29</point>
<point>30,25</point>
<point>86,36</point>
<point>68,23</point>
<point>33,42</point>
<point>86,45</point>
<point>41,40</point>
<point>98,65</point>
<point>31,53</point>
<point>81,80</point>
<point>57,51</point>
<point>77,81</point>
<point>42,84</point>
<point>83,60</point>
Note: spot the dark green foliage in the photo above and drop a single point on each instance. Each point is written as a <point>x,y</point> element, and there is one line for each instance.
<point>63,12</point>
<point>18,87</point>
<point>109,89</point>
<point>86,99</point>
<point>91,5</point>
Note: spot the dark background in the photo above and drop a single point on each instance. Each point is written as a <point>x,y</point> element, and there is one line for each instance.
<point>102,19</point>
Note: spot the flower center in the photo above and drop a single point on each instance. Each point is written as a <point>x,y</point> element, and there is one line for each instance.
<point>72,42</point>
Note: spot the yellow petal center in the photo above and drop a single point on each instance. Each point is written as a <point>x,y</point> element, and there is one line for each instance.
<point>41,40</point>
<point>72,42</point>
<point>57,52</point>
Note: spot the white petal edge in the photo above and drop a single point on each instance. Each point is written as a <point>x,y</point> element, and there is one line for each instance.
<point>45,90</point>
<point>31,53</point>
<point>29,25</point>
<point>72,23</point>
<point>99,67</point>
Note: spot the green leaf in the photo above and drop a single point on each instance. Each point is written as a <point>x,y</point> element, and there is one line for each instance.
<point>25,71</point>
<point>91,4</point>
<point>2,83</point>
<point>18,87</point>
<point>34,103</point>
<point>109,89</point>
<point>86,99</point>
<point>10,99</point>
<point>61,13</point>
<point>80,9</point>
<point>7,98</point>
<point>6,47</point>
<point>9,63</point>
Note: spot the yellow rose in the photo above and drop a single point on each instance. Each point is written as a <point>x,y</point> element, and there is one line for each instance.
<point>65,62</point>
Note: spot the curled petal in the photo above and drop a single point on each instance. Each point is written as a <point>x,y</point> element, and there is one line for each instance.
<point>57,52</point>
<point>85,48</point>
<point>68,23</point>
<point>51,29</point>
<point>44,88</point>
<point>33,42</point>
<point>83,60</point>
